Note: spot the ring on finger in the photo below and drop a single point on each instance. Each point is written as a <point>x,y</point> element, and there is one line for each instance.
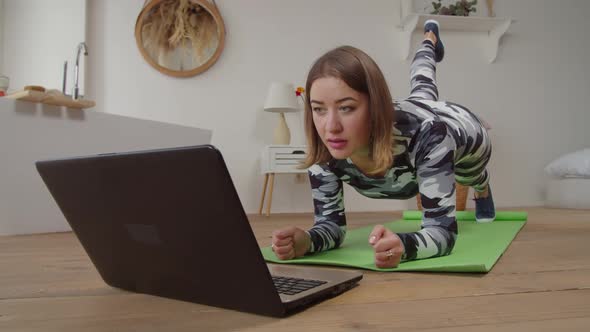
<point>389,253</point>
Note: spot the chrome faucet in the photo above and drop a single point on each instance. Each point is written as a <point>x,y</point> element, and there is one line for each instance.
<point>75,91</point>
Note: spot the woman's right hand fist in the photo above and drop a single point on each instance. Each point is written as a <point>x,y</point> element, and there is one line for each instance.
<point>290,242</point>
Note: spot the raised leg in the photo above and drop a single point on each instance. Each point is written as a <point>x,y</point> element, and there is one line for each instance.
<point>423,68</point>
<point>423,73</point>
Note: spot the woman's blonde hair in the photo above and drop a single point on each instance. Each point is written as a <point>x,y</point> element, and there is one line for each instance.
<point>362,74</point>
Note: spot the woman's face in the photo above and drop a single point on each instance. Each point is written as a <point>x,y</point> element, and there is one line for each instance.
<point>341,117</point>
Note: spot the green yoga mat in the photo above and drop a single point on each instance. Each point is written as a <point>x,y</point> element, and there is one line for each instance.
<point>478,247</point>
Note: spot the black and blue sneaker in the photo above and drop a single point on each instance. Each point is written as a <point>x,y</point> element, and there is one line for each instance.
<point>439,49</point>
<point>484,208</point>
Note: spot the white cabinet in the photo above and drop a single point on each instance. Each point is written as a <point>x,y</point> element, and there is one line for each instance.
<point>278,159</point>
<point>282,159</point>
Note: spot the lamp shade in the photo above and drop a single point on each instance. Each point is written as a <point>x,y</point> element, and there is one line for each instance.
<point>281,98</point>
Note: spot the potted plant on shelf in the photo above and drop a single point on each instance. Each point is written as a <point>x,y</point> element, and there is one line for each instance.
<point>460,8</point>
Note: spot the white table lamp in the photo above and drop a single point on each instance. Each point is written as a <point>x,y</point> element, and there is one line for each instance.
<point>281,99</point>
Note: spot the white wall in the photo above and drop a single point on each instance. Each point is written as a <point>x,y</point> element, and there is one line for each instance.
<point>1,36</point>
<point>533,95</point>
<point>39,36</point>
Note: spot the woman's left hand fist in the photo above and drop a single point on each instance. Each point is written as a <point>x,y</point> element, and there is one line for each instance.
<point>388,247</point>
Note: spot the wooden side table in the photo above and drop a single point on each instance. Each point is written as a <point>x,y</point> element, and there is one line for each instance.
<point>279,159</point>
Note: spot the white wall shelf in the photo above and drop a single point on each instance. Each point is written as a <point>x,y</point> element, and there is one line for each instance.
<point>492,27</point>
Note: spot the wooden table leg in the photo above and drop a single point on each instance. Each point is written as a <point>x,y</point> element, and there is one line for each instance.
<point>269,202</point>
<point>263,193</point>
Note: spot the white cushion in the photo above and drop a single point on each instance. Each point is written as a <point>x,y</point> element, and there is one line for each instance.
<point>575,164</point>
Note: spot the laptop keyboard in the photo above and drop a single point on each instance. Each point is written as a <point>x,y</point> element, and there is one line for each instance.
<point>292,286</point>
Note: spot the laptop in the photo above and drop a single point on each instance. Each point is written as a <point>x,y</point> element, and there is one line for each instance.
<point>169,223</point>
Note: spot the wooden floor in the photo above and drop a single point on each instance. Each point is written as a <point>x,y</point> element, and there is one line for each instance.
<point>542,283</point>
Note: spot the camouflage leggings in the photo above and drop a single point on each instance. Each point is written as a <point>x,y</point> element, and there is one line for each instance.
<point>470,161</point>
